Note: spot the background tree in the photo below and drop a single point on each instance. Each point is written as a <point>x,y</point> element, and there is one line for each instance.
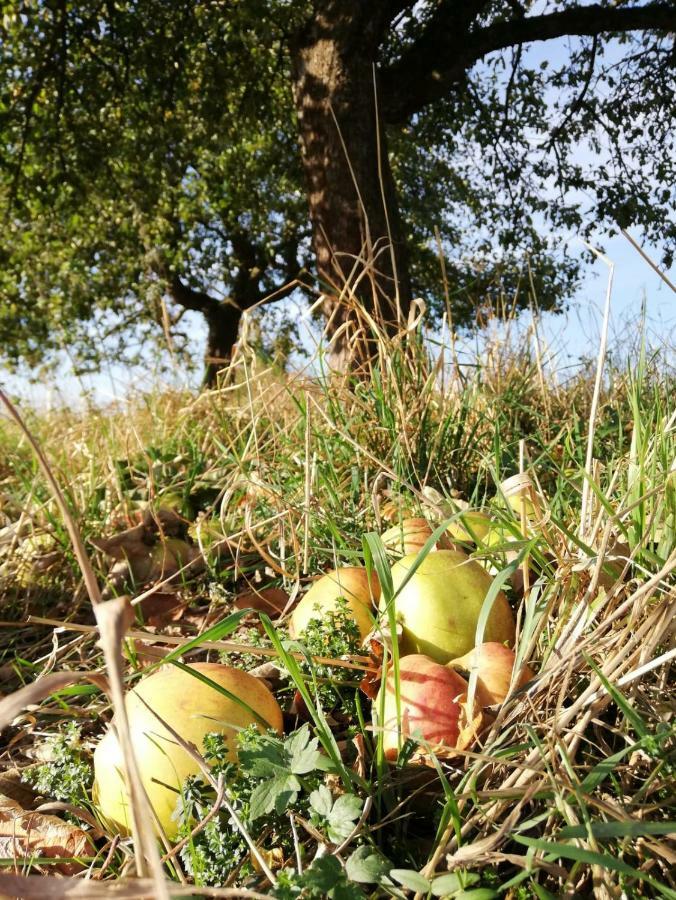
<point>149,156</point>
<point>150,150</point>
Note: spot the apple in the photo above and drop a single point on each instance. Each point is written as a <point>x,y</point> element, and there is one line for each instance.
<point>471,526</point>
<point>397,508</point>
<point>494,664</point>
<point>193,709</point>
<point>351,583</point>
<point>432,704</point>
<point>519,493</point>
<point>439,606</point>
<point>410,536</point>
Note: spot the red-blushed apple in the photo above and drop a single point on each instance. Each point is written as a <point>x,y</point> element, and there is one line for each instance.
<point>433,707</point>
<point>440,604</point>
<point>494,664</point>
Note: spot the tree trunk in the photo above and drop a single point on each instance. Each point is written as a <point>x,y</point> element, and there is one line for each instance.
<point>222,322</point>
<point>222,331</point>
<point>357,233</point>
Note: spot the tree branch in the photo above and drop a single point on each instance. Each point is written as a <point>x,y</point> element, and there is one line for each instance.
<point>189,298</point>
<point>443,53</point>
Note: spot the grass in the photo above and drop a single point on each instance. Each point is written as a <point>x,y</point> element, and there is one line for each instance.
<point>568,792</point>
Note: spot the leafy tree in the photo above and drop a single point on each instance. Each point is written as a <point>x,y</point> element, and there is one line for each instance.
<point>158,156</point>
<point>149,152</point>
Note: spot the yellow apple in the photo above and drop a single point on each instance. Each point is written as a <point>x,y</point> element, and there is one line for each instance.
<point>472,526</point>
<point>519,493</point>
<point>193,709</point>
<point>351,583</point>
<point>410,536</point>
<point>439,606</point>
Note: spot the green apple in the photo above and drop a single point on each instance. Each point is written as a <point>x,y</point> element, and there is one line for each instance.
<point>438,608</point>
<point>471,526</point>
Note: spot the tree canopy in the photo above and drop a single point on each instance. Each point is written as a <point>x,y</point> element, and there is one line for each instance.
<point>158,157</point>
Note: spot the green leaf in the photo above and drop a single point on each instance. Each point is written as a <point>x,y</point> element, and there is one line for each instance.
<point>366,866</point>
<point>346,891</point>
<point>618,829</point>
<point>453,882</point>
<point>620,701</point>
<point>557,850</point>
<point>274,794</point>
<point>321,801</point>
<point>604,768</point>
<point>323,874</point>
<point>410,879</point>
<point>216,633</point>
<point>267,759</point>
<point>540,892</point>
<point>347,806</point>
<point>303,752</point>
<point>477,894</point>
<point>346,810</point>
<point>446,884</point>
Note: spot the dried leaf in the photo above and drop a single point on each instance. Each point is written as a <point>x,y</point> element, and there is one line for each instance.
<point>24,833</point>
<point>272,601</point>
<point>114,618</point>
<point>13,787</point>
<point>161,608</point>
<point>164,520</point>
<point>12,706</point>
<point>370,684</point>
<point>152,551</point>
<point>128,544</point>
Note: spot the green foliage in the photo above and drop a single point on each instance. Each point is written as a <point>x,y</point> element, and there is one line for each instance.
<point>68,774</point>
<point>332,635</point>
<point>246,661</point>
<point>601,788</point>
<point>337,818</point>
<point>272,777</point>
<point>144,142</point>
<point>278,766</point>
<point>134,147</point>
<point>324,878</point>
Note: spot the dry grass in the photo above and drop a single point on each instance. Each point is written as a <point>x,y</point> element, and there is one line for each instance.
<point>569,792</point>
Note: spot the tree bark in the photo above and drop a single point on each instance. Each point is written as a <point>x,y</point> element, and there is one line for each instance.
<point>222,331</point>
<point>357,232</point>
<point>222,324</point>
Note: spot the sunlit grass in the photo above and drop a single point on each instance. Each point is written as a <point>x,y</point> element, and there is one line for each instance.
<point>569,788</point>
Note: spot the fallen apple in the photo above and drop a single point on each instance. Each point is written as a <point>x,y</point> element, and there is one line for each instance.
<point>471,526</point>
<point>351,583</point>
<point>520,495</point>
<point>494,664</point>
<point>432,705</point>
<point>439,606</point>
<point>397,508</point>
<point>192,708</point>
<point>410,536</point>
